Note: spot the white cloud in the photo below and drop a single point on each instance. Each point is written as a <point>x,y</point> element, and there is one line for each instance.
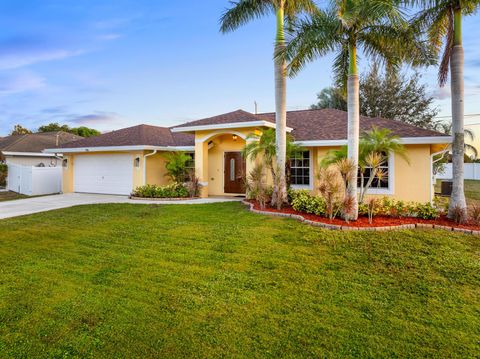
<point>25,57</point>
<point>20,82</point>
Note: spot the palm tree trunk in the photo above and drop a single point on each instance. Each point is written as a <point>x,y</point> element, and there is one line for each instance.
<point>457,200</point>
<point>353,103</point>
<point>280,110</point>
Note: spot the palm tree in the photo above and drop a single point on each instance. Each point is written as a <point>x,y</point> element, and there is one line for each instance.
<point>378,28</point>
<point>443,21</point>
<point>375,146</point>
<point>264,145</point>
<point>243,11</point>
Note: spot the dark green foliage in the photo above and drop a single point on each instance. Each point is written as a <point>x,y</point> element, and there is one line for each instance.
<point>153,191</point>
<point>3,174</point>
<point>212,281</point>
<point>79,131</point>
<point>391,95</point>
<point>176,166</point>
<point>303,201</point>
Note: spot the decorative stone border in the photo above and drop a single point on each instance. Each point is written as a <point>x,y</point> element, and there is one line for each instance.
<point>336,227</point>
<point>163,199</point>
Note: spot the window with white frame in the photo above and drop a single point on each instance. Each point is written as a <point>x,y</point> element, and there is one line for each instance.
<point>300,169</point>
<point>381,180</point>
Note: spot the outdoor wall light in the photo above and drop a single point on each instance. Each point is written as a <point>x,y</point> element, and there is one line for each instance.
<point>234,137</point>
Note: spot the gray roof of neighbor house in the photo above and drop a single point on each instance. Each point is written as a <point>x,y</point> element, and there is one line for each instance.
<point>307,125</point>
<point>36,142</point>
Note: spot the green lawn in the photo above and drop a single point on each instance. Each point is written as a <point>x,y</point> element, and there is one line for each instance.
<point>472,190</point>
<point>215,280</point>
<point>9,196</point>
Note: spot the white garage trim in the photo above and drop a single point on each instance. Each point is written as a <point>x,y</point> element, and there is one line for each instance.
<point>103,173</point>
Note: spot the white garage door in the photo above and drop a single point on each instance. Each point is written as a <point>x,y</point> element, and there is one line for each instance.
<point>107,174</point>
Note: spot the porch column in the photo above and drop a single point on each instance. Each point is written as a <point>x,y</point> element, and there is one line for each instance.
<point>201,166</point>
<point>249,164</point>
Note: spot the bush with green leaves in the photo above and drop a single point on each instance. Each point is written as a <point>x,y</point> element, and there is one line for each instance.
<point>176,164</point>
<point>426,211</point>
<point>304,201</point>
<point>154,191</point>
<point>3,174</point>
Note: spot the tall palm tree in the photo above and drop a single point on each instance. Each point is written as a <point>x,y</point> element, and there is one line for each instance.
<point>378,27</point>
<point>243,11</point>
<point>443,21</point>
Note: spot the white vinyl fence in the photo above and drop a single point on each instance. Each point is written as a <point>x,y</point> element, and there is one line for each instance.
<point>472,171</point>
<point>34,181</point>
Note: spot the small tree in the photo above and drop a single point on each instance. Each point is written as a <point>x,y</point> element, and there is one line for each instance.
<point>265,144</point>
<point>176,166</point>
<point>20,130</point>
<point>375,145</point>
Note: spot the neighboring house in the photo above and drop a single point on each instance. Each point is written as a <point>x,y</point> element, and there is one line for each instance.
<point>119,161</point>
<point>27,150</point>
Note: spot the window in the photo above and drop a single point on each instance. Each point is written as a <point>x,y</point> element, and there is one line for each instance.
<point>190,165</point>
<point>379,182</point>
<point>300,169</point>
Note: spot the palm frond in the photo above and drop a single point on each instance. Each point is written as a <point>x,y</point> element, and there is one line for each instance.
<point>242,12</point>
<point>310,39</point>
<point>447,52</point>
<point>340,68</point>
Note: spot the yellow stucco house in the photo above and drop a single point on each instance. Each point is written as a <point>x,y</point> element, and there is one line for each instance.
<point>119,161</point>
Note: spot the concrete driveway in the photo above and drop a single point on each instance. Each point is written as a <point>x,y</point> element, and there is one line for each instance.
<point>22,207</point>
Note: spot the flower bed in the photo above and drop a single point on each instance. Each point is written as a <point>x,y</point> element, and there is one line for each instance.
<point>379,222</point>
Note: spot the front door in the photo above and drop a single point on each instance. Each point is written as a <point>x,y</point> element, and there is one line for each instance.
<point>234,173</point>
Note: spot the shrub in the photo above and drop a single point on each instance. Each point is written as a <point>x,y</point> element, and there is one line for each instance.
<point>154,191</point>
<point>256,186</point>
<point>303,201</point>
<point>193,185</point>
<point>426,211</point>
<point>331,187</point>
<point>176,166</point>
<point>475,214</point>
<point>3,174</point>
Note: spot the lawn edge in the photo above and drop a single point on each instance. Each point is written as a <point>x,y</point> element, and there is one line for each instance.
<point>335,227</point>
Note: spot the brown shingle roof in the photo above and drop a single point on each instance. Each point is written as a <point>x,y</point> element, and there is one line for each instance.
<point>308,125</point>
<point>141,135</point>
<point>331,124</point>
<point>36,142</point>
<point>230,117</point>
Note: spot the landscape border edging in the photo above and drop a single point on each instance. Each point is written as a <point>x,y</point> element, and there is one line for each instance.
<point>336,227</point>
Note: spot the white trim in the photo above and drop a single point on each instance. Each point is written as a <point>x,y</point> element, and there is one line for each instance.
<point>321,143</point>
<point>426,140</point>
<point>403,140</point>
<point>119,148</point>
<point>310,186</point>
<point>28,154</point>
<point>219,126</point>
<point>221,132</point>
<point>391,179</point>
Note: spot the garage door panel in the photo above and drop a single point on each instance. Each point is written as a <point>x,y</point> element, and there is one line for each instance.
<point>106,174</point>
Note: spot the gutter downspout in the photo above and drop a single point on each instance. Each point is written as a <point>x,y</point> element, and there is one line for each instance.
<point>432,162</point>
<point>145,165</point>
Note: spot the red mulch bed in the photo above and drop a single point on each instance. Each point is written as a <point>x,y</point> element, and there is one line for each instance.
<point>378,221</point>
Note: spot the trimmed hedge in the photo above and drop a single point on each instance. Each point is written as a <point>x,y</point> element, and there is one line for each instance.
<point>154,191</point>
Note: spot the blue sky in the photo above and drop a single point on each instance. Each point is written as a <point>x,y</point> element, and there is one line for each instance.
<point>111,64</point>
